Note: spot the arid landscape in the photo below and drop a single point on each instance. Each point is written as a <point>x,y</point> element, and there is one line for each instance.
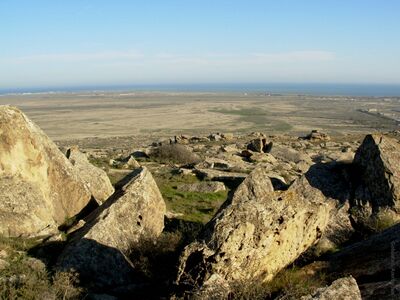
<point>161,114</point>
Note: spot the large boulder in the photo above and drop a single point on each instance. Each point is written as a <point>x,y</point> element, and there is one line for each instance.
<point>257,232</point>
<point>345,288</point>
<point>378,160</point>
<point>39,188</point>
<point>98,251</point>
<point>95,178</point>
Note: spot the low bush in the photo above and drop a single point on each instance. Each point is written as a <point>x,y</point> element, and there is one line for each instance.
<point>175,153</point>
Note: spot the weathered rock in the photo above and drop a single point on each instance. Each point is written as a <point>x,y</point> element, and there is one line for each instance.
<point>345,288</point>
<point>131,163</point>
<point>263,157</point>
<point>260,145</point>
<point>215,137</point>
<point>98,250</point>
<point>378,159</point>
<point>257,232</point>
<point>39,188</point>
<point>95,178</point>
<point>203,187</point>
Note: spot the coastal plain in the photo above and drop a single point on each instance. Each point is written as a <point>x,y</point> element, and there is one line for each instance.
<point>79,115</point>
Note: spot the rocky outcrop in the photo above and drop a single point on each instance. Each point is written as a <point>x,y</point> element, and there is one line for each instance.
<point>95,178</point>
<point>343,288</point>
<point>378,160</point>
<point>98,251</point>
<point>257,232</point>
<point>39,188</point>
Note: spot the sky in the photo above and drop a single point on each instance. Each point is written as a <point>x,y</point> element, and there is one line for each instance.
<point>95,42</point>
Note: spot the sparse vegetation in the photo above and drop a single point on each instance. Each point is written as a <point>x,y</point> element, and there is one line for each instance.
<point>193,206</point>
<point>26,277</point>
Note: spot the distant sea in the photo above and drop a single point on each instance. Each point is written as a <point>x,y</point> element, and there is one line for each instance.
<point>372,90</point>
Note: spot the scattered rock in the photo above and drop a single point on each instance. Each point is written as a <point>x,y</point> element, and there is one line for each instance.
<point>39,188</point>
<point>316,135</point>
<point>95,178</point>
<point>98,250</point>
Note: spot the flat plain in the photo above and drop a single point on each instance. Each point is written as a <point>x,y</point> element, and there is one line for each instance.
<point>67,116</point>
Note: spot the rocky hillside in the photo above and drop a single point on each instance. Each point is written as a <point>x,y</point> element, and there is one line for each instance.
<point>222,216</point>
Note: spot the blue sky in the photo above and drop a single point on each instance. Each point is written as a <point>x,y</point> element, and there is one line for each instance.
<point>82,42</point>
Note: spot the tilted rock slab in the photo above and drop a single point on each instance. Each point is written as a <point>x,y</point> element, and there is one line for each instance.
<point>342,288</point>
<point>39,188</point>
<point>95,178</point>
<point>256,233</point>
<point>98,250</point>
<point>378,158</point>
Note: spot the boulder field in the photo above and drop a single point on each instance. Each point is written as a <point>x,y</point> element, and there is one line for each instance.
<point>283,204</point>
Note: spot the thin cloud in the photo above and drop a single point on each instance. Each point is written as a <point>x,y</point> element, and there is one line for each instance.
<point>80,57</point>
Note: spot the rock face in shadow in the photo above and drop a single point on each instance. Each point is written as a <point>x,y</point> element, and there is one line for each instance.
<point>343,288</point>
<point>333,182</point>
<point>95,178</point>
<point>371,262</point>
<point>98,250</point>
<point>378,159</point>
<point>39,188</point>
<point>257,232</point>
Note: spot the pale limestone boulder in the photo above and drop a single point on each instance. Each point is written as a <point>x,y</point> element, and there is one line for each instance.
<point>95,178</point>
<point>257,232</point>
<point>98,251</point>
<point>39,188</point>
<point>345,288</point>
